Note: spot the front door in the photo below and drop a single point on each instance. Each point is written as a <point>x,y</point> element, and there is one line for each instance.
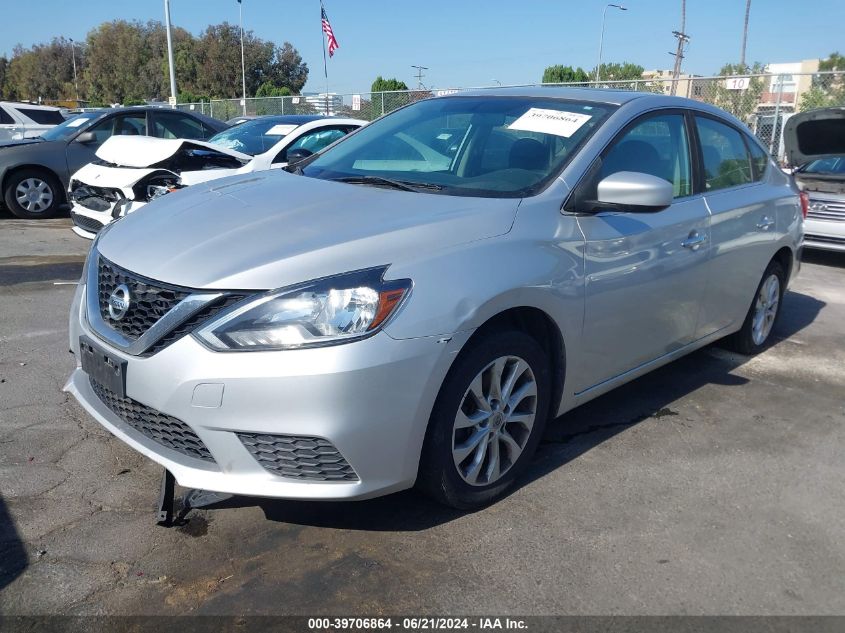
<point>645,272</point>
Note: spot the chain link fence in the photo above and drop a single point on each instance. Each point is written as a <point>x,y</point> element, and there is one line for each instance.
<point>764,102</point>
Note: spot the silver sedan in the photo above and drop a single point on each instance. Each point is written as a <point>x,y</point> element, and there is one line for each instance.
<point>412,306</point>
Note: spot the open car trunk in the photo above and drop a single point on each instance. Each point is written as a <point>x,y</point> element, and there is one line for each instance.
<point>816,135</point>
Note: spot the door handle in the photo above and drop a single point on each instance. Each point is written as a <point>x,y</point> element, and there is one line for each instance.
<point>694,241</point>
<point>765,223</point>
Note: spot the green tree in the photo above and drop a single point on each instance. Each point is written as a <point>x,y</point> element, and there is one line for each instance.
<point>619,71</point>
<point>385,85</point>
<point>43,71</point>
<point>826,90</point>
<point>269,89</point>
<point>560,74</point>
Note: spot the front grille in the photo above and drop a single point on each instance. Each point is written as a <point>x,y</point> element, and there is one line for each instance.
<point>84,222</point>
<point>299,457</point>
<point>188,326</point>
<point>825,239</point>
<point>94,198</point>
<point>831,210</point>
<point>149,300</point>
<point>159,427</point>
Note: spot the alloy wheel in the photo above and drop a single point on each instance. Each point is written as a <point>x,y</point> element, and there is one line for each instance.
<point>494,420</point>
<point>34,195</point>
<point>765,309</point>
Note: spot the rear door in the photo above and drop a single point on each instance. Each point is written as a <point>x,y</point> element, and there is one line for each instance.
<point>646,272</point>
<point>10,128</point>
<point>744,212</point>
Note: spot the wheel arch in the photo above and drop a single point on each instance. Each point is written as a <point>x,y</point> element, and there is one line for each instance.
<point>786,258</point>
<point>11,171</point>
<point>540,326</point>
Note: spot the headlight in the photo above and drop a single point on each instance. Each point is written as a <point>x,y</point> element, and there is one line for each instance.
<point>323,312</point>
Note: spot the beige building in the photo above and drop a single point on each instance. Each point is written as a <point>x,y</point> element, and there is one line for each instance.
<point>686,84</point>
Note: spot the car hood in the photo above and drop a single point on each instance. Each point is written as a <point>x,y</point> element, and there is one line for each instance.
<point>814,134</point>
<point>144,151</point>
<point>272,229</point>
<point>113,177</point>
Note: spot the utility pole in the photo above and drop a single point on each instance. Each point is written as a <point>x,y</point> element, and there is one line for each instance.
<point>420,76</point>
<point>170,54</point>
<point>683,40</point>
<point>744,36</point>
<point>243,65</point>
<point>73,56</point>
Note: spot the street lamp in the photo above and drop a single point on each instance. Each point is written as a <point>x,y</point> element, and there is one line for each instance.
<point>170,54</point>
<point>243,66</point>
<point>601,37</point>
<point>75,84</point>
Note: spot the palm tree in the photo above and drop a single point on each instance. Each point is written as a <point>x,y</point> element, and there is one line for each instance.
<point>745,34</point>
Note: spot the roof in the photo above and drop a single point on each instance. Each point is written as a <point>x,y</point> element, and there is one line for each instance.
<point>23,104</point>
<point>596,95</point>
<point>293,119</point>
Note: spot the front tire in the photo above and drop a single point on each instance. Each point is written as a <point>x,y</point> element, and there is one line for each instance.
<point>33,194</point>
<point>487,421</point>
<point>763,314</point>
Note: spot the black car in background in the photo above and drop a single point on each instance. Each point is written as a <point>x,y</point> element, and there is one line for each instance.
<point>34,173</point>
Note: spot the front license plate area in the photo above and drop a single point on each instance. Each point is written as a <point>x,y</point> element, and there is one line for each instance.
<point>102,367</point>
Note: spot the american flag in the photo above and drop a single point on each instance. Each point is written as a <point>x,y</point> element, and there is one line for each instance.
<point>327,29</point>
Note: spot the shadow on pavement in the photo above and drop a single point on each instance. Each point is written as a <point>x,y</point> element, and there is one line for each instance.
<point>13,558</point>
<point>835,259</point>
<point>566,438</point>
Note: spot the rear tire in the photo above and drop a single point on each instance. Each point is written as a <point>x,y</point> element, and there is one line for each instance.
<point>487,421</point>
<point>762,317</point>
<point>33,194</point>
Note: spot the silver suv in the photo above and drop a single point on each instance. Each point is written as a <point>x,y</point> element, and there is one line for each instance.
<point>412,305</point>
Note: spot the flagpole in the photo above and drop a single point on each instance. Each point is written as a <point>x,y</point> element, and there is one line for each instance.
<point>325,63</point>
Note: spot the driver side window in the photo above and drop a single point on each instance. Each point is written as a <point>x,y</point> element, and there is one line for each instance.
<point>125,124</point>
<point>312,141</point>
<point>657,146</point>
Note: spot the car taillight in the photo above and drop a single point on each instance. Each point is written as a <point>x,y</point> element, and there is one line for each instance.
<point>805,202</point>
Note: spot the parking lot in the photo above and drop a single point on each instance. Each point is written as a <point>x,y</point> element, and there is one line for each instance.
<point>711,486</point>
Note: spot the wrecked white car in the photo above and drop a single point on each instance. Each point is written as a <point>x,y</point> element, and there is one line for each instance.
<point>815,144</point>
<point>133,170</point>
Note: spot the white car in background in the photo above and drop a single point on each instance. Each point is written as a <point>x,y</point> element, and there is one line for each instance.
<point>133,170</point>
<point>20,121</point>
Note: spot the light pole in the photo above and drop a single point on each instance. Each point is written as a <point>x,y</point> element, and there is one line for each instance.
<point>601,37</point>
<point>243,65</point>
<point>170,54</point>
<point>73,56</point>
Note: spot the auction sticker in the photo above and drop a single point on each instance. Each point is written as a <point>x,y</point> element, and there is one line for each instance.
<point>280,130</point>
<point>550,122</point>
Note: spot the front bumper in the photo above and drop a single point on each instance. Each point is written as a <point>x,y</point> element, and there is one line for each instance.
<point>87,222</point>
<point>371,399</point>
<point>827,234</point>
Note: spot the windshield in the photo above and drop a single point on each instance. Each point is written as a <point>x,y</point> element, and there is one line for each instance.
<point>472,146</point>
<point>834,165</point>
<point>71,126</point>
<point>253,137</point>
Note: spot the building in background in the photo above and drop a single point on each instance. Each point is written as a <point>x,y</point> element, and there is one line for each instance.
<point>320,101</point>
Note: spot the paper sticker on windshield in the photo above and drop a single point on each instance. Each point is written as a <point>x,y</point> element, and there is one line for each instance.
<point>78,122</point>
<point>280,130</point>
<point>550,122</point>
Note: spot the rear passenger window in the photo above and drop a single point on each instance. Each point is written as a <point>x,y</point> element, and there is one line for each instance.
<point>726,159</point>
<point>43,117</point>
<point>759,159</point>
<point>5,117</point>
<point>657,146</point>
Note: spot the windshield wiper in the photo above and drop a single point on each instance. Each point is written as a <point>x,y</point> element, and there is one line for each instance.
<point>388,182</point>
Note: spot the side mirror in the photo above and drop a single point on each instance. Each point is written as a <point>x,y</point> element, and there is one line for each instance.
<point>635,191</point>
<point>86,138</point>
<point>298,155</point>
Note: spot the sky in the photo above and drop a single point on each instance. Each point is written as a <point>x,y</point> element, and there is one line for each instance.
<point>471,42</point>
